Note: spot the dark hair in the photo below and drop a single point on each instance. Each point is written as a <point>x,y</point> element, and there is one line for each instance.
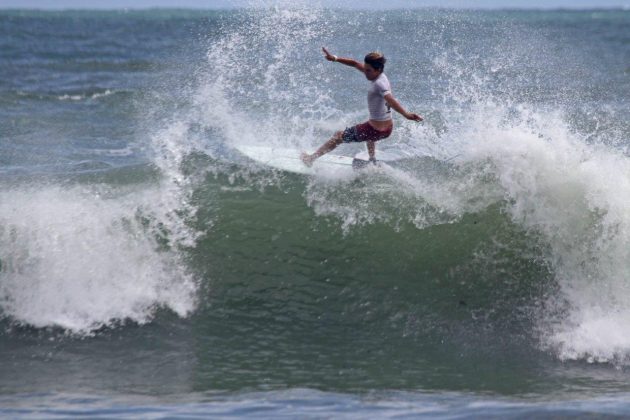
<point>376,60</point>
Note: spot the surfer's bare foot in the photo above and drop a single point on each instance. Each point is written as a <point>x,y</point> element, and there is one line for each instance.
<point>307,159</point>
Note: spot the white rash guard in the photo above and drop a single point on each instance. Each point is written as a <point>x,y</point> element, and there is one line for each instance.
<point>379,109</point>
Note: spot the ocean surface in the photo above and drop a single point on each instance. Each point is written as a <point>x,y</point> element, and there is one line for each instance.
<point>149,270</point>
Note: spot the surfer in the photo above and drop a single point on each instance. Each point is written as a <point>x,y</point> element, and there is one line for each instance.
<point>380,102</point>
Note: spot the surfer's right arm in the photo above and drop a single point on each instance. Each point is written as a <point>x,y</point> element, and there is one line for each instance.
<point>347,61</point>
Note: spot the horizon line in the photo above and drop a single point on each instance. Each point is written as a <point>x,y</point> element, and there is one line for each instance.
<point>190,8</point>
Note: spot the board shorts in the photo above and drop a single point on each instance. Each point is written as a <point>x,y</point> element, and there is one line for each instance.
<point>364,132</point>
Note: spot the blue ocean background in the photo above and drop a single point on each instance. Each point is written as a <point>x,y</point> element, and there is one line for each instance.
<point>148,269</point>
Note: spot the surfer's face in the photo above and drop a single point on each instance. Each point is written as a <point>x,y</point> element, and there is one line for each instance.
<point>370,72</point>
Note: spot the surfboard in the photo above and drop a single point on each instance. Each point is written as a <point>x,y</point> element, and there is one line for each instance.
<point>289,160</point>
<point>383,155</point>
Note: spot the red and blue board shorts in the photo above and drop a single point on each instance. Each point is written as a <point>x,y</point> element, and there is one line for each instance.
<point>364,132</point>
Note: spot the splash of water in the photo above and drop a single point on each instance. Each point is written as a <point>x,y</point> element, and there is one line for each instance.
<point>79,259</point>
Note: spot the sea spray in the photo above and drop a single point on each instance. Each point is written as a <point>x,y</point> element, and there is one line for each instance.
<point>253,103</point>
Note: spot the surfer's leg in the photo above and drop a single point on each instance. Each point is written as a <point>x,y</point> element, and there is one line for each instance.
<point>371,147</point>
<point>331,144</point>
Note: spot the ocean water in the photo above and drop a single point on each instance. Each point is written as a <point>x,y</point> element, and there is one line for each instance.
<point>149,270</point>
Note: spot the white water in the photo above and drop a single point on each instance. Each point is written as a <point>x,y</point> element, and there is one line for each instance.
<point>79,259</point>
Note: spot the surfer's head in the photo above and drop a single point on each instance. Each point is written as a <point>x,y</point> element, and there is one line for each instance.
<point>374,65</point>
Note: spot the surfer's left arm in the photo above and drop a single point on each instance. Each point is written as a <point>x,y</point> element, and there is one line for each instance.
<point>392,102</point>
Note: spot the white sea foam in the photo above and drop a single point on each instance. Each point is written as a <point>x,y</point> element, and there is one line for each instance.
<point>84,257</point>
<point>79,259</point>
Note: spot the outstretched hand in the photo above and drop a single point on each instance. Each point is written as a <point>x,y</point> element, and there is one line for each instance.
<point>329,56</point>
<point>413,117</point>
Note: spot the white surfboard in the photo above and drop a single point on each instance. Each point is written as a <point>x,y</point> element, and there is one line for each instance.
<point>383,155</point>
<point>289,160</point>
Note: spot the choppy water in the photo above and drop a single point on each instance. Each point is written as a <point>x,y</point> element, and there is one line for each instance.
<point>149,270</point>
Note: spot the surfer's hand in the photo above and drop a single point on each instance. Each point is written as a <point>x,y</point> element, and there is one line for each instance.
<point>413,117</point>
<point>329,56</point>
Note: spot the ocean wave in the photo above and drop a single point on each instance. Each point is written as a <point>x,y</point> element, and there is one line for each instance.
<point>517,150</point>
<point>102,66</point>
<point>96,95</point>
<point>68,96</point>
<point>523,235</point>
<point>81,258</point>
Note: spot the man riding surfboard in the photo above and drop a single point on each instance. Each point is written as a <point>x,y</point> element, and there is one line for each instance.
<point>380,102</point>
